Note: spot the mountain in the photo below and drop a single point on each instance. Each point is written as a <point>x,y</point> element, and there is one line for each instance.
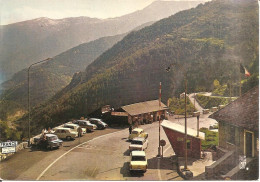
<point>204,43</point>
<point>48,78</point>
<point>24,43</point>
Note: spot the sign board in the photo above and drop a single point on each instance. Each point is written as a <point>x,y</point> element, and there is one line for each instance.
<point>7,150</point>
<point>162,143</point>
<point>8,144</point>
<point>8,147</point>
<point>119,113</point>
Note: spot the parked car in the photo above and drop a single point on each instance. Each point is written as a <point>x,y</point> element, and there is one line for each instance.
<point>47,141</point>
<point>137,132</point>
<point>138,143</point>
<point>85,124</point>
<point>98,122</point>
<point>138,161</point>
<point>75,128</point>
<point>65,133</point>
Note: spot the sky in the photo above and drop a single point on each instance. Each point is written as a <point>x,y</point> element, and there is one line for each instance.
<point>12,11</point>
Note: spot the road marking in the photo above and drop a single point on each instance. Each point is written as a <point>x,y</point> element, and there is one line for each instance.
<point>71,150</point>
<point>158,165</point>
<point>93,172</point>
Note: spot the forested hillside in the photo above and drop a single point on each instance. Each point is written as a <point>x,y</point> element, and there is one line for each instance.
<point>205,43</point>
<point>47,78</point>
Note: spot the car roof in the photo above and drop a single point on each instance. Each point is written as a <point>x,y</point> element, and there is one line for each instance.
<point>70,124</point>
<point>94,119</point>
<point>138,139</point>
<point>50,135</point>
<point>138,129</point>
<point>62,128</point>
<point>138,153</point>
<point>82,120</point>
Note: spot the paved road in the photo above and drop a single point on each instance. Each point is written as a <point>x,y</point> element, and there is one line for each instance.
<point>192,99</point>
<point>27,164</point>
<point>102,156</point>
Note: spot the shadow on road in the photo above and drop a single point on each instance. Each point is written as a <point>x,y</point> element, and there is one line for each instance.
<point>34,149</point>
<point>165,163</point>
<point>127,153</point>
<point>125,171</point>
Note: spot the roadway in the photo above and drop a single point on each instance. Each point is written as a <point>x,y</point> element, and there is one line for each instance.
<point>101,155</point>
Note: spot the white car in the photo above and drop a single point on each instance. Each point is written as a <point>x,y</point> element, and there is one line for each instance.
<point>138,143</point>
<point>85,124</point>
<point>75,128</point>
<point>138,161</point>
<point>65,133</point>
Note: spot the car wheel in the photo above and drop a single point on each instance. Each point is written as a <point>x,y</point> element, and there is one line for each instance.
<point>51,148</point>
<point>68,138</point>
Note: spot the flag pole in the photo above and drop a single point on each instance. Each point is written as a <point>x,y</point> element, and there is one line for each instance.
<point>240,84</point>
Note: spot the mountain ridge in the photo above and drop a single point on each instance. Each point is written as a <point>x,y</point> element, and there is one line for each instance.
<point>23,45</point>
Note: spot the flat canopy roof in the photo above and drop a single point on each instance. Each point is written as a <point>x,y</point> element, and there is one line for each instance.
<point>181,129</point>
<point>144,107</point>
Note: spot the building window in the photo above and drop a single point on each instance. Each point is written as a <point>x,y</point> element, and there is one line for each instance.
<point>232,134</point>
<point>188,144</point>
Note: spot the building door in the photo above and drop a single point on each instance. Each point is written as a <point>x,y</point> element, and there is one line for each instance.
<point>249,144</point>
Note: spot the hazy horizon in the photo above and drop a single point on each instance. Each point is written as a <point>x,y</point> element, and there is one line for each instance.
<point>14,11</point>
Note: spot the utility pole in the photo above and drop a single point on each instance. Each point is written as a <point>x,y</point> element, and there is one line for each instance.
<point>160,95</point>
<point>29,107</point>
<point>185,140</point>
<point>194,102</point>
<point>240,81</point>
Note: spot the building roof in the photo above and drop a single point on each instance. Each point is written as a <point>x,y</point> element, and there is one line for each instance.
<point>181,129</point>
<point>144,107</point>
<point>243,112</point>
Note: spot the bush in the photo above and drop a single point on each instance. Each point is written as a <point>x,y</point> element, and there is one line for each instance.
<point>178,106</point>
<point>9,133</point>
<point>208,102</point>
<point>211,139</point>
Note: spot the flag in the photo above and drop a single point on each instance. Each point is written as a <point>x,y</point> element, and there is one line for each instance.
<point>244,70</point>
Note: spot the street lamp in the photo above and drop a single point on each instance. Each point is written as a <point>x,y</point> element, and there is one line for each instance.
<point>29,114</point>
<point>185,139</point>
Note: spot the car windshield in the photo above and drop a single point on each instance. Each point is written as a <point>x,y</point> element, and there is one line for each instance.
<point>136,142</point>
<point>69,127</point>
<point>135,132</point>
<point>52,138</point>
<point>138,158</point>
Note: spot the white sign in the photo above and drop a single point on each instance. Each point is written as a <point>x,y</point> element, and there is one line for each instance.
<point>8,144</point>
<point>7,150</point>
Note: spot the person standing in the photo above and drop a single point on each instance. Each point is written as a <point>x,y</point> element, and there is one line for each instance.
<point>130,129</point>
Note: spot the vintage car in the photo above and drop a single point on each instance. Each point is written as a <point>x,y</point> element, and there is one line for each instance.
<point>137,132</point>
<point>138,143</point>
<point>85,124</point>
<point>98,122</point>
<point>47,141</point>
<point>75,128</point>
<point>65,133</point>
<point>138,161</point>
